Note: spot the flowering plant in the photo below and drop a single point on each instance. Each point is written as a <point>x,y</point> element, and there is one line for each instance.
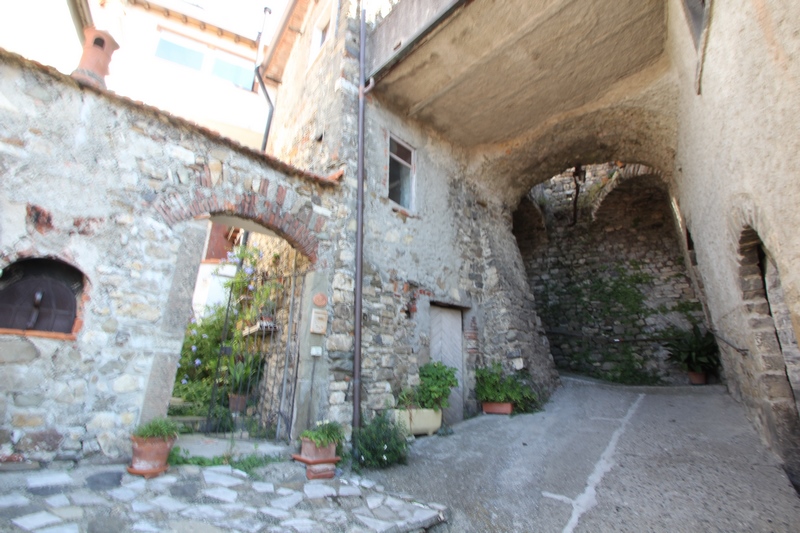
<point>324,433</point>
<point>249,285</point>
<point>381,443</point>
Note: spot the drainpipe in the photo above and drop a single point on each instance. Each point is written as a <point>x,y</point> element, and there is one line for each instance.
<point>267,11</point>
<point>271,108</point>
<point>359,231</point>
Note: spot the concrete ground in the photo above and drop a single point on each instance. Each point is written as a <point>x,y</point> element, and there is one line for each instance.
<point>598,458</point>
<point>605,458</point>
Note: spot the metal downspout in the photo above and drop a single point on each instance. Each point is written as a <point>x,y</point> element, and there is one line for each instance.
<point>359,231</point>
<point>271,108</point>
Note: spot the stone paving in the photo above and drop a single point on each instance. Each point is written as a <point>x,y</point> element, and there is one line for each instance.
<point>95,499</point>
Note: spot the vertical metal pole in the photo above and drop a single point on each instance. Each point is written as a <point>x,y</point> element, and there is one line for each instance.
<point>359,230</point>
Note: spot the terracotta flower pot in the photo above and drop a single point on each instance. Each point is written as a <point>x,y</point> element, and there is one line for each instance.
<point>150,456</point>
<point>698,378</point>
<point>497,408</point>
<point>311,451</point>
<point>237,403</point>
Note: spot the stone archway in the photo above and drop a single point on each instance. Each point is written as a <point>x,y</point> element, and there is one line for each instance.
<point>773,366</point>
<point>606,271</point>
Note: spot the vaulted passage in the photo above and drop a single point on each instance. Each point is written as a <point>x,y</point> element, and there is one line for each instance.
<point>607,272</point>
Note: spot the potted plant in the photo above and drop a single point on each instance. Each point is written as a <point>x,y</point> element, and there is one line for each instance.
<point>242,375</point>
<point>502,394</point>
<point>695,352</point>
<point>420,407</point>
<point>319,447</point>
<point>151,445</point>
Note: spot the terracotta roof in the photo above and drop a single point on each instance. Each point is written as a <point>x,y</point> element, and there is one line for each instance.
<point>282,42</point>
<point>281,166</point>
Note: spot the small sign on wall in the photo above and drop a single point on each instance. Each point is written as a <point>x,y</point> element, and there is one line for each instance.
<point>319,321</point>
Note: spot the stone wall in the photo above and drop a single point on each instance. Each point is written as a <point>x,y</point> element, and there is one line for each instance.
<point>612,288</point>
<point>439,252</point>
<point>111,187</point>
<point>737,185</point>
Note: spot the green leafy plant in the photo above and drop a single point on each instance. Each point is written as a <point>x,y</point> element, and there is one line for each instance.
<point>160,428</point>
<point>324,433</point>
<point>695,351</point>
<point>435,381</point>
<point>381,443</point>
<point>433,392</point>
<point>247,463</point>
<point>242,372</point>
<point>492,385</point>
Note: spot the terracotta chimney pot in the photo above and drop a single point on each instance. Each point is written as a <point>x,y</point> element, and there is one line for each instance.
<point>97,49</point>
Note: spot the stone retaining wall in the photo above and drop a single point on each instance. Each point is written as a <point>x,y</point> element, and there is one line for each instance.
<point>610,290</point>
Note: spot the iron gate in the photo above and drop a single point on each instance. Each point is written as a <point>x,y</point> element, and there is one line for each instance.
<point>256,371</point>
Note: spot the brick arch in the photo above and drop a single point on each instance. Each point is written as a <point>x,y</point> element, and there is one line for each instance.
<point>299,226</point>
<point>621,176</point>
<point>776,360</point>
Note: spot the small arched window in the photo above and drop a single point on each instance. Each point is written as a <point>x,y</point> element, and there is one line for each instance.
<point>40,295</point>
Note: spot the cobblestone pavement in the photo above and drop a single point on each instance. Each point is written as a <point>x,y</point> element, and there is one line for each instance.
<point>191,499</point>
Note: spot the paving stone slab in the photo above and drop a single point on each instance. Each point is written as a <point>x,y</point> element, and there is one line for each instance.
<point>138,484</point>
<point>49,479</point>
<point>378,525</point>
<point>280,514</point>
<point>104,480</point>
<point>315,491</point>
<point>262,487</point>
<point>142,507</point>
<point>374,500</point>
<point>349,490</point>
<point>287,502</point>
<point>106,524</point>
<point>215,478</point>
<point>69,513</point>
<point>193,526</point>
<point>169,504</point>
<point>302,525</point>
<point>147,527</point>
<point>283,491</point>
<point>15,499</point>
<point>59,500</point>
<point>422,518</point>
<point>61,528</point>
<point>248,525</point>
<point>222,494</point>
<point>203,512</point>
<point>123,494</point>
<point>29,522</point>
<point>85,497</point>
<point>185,489</point>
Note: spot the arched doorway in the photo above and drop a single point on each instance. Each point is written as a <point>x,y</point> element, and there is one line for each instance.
<point>775,369</point>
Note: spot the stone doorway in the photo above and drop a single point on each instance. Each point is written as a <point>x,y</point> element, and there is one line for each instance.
<point>446,347</point>
<point>775,349</point>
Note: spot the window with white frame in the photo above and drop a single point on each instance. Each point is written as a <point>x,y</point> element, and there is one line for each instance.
<point>206,59</point>
<point>321,32</point>
<point>401,173</point>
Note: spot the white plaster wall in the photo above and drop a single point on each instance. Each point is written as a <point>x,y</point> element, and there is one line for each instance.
<point>738,151</point>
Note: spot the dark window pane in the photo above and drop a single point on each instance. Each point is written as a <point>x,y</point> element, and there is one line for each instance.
<point>400,151</point>
<point>399,183</point>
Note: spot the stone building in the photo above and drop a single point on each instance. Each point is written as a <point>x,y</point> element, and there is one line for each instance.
<point>469,106</point>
